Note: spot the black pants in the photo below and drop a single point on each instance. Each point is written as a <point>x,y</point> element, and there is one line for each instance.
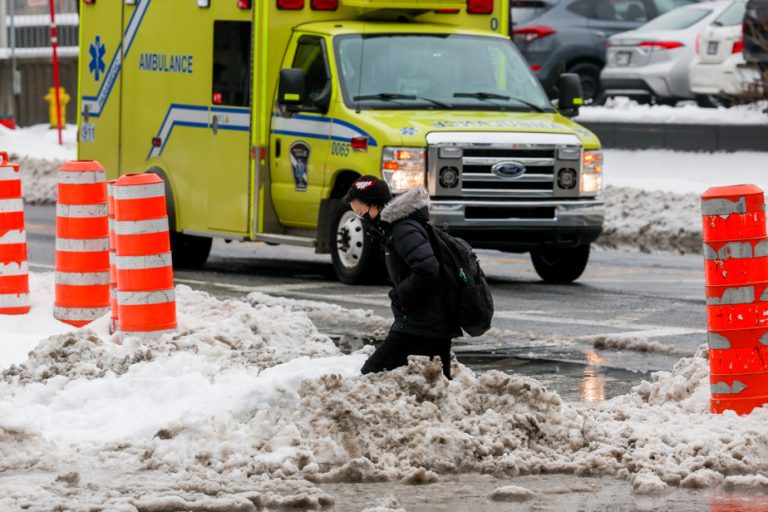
<point>394,352</point>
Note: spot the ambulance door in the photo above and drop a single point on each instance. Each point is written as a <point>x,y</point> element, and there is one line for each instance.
<point>228,171</point>
<point>100,63</point>
<point>301,142</point>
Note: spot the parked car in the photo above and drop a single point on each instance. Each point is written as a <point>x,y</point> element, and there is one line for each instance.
<point>652,61</point>
<point>718,72</point>
<point>557,36</point>
<point>756,34</point>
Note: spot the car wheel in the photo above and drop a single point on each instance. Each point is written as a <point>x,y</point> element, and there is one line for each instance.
<point>712,101</point>
<point>188,251</point>
<point>355,254</point>
<point>560,265</point>
<point>589,74</point>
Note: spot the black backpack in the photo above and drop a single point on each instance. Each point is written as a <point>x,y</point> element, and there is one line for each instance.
<point>466,293</point>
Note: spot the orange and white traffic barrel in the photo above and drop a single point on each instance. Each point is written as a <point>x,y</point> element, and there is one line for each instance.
<point>145,292</point>
<point>82,243</point>
<point>736,278</point>
<point>14,268</point>
<point>113,319</point>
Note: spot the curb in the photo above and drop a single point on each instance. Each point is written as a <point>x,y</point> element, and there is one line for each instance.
<point>680,137</point>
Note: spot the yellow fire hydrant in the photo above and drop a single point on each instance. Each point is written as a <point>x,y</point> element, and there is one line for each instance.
<point>50,98</point>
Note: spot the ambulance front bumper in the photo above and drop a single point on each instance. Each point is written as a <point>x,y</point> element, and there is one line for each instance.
<point>520,226</point>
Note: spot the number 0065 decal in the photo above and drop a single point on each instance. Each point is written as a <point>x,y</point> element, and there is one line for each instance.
<point>340,149</point>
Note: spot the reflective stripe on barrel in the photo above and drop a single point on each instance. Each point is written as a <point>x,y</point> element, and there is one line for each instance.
<point>736,262</point>
<point>145,294</point>
<point>82,243</point>
<point>14,268</point>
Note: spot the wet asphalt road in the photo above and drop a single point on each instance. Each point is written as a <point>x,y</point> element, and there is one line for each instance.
<point>557,333</point>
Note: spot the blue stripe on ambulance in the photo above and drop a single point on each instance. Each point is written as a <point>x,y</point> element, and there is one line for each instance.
<point>97,103</point>
<point>196,116</point>
<point>307,126</point>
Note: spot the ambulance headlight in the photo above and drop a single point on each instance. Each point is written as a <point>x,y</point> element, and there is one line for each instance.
<point>403,168</point>
<point>591,172</point>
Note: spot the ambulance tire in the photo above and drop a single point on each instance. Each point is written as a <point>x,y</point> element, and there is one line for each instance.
<point>560,264</point>
<point>356,256</point>
<point>189,251</point>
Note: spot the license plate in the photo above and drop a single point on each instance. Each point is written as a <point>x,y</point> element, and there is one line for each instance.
<point>622,58</point>
<point>712,48</point>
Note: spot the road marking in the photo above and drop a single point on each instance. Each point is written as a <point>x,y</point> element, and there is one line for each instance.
<point>634,328</point>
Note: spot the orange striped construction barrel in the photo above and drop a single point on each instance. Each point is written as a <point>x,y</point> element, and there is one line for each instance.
<point>736,278</point>
<point>113,319</point>
<point>82,243</point>
<point>145,293</point>
<point>14,268</point>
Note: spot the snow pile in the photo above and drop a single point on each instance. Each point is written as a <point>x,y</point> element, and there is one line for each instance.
<point>651,220</point>
<point>39,142</point>
<point>249,406</point>
<point>624,110</point>
<point>330,316</point>
<point>511,493</point>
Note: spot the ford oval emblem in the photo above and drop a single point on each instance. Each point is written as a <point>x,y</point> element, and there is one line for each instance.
<point>510,170</point>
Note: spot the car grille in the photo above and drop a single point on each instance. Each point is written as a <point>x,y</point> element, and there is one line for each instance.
<point>479,181</point>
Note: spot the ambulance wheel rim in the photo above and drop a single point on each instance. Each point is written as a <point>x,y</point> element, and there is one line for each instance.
<point>350,239</point>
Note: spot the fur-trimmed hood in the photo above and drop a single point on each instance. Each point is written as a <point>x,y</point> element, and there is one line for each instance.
<point>404,205</point>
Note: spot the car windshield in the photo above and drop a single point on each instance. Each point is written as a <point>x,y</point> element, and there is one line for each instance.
<point>414,71</point>
<point>677,19</point>
<point>733,15</point>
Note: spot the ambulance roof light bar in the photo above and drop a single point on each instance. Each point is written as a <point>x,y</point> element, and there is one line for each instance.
<point>480,6</point>
<point>325,5</point>
<point>89,1</point>
<point>244,4</point>
<point>290,5</point>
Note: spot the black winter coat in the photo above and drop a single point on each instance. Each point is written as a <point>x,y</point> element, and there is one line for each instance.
<point>414,270</point>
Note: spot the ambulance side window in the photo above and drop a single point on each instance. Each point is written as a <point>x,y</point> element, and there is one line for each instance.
<point>232,63</point>
<point>311,57</point>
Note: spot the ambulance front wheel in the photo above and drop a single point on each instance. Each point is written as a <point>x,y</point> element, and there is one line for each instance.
<point>189,251</point>
<point>560,264</point>
<point>356,256</point>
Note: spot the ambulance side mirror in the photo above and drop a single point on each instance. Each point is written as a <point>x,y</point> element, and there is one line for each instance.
<point>291,89</point>
<point>569,94</point>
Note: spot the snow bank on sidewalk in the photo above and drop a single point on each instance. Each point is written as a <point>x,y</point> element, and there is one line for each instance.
<point>624,110</point>
<point>251,407</point>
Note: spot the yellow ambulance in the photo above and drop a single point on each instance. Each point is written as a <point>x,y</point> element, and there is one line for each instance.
<point>259,114</point>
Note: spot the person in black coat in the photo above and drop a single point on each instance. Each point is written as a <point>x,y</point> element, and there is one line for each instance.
<point>422,325</point>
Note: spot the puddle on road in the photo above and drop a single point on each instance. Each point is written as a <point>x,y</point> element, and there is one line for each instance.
<point>555,493</point>
<point>574,382</point>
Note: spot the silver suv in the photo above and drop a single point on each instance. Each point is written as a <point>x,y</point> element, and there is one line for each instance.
<point>558,36</point>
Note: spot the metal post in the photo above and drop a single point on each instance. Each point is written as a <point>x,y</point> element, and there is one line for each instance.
<point>15,74</point>
<point>56,82</point>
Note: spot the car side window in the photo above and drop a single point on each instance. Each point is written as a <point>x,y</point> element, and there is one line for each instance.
<point>584,8</point>
<point>621,10</point>
<point>311,57</point>
<point>663,6</point>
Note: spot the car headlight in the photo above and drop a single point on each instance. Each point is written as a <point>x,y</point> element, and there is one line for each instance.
<point>591,172</point>
<point>403,168</point>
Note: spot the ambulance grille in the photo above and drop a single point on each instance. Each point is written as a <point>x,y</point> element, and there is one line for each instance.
<point>479,180</point>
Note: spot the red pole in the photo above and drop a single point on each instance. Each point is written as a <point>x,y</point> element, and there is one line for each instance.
<point>56,83</point>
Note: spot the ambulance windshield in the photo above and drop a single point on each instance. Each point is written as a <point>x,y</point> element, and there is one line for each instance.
<point>415,72</point>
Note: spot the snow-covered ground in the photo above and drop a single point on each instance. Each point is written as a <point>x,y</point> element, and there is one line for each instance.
<point>622,109</point>
<point>249,405</point>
